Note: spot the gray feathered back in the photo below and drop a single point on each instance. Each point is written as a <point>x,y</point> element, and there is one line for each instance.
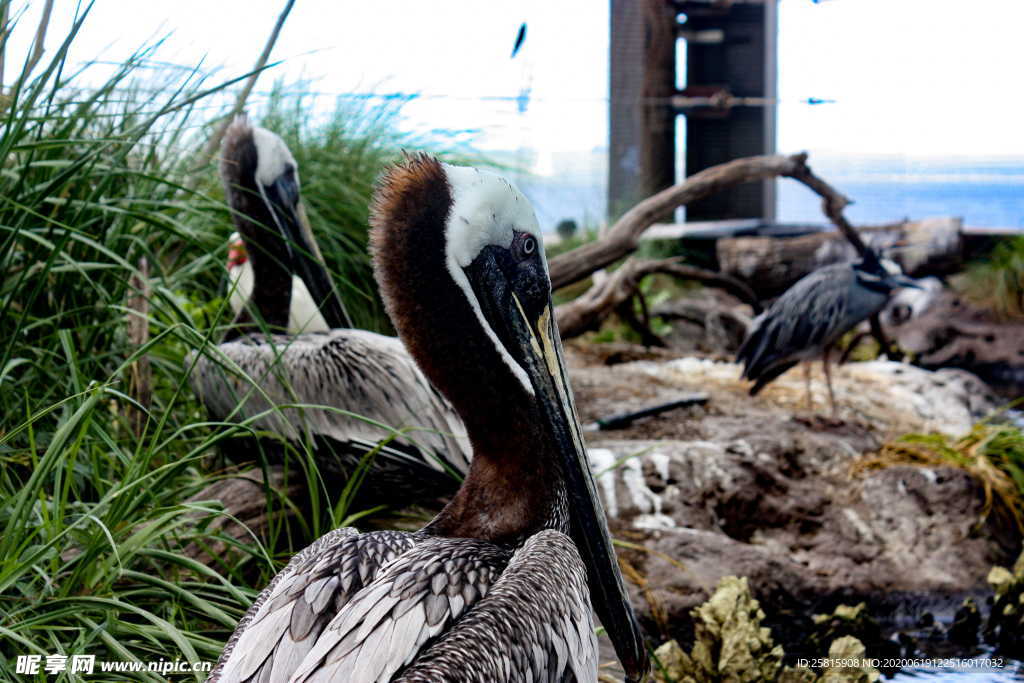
<point>350,371</point>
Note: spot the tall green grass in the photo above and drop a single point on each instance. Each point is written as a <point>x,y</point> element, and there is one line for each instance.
<point>95,181</point>
<point>91,513</point>
<point>997,282</point>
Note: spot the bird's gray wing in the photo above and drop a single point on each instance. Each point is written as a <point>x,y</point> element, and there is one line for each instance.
<point>808,315</point>
<point>535,624</point>
<point>364,374</point>
<point>415,599</point>
<point>287,617</point>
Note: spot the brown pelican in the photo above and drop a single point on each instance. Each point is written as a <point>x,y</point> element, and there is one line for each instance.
<point>498,586</point>
<point>368,383</point>
<point>814,314</point>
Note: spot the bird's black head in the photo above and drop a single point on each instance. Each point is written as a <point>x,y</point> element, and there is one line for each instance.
<point>881,274</point>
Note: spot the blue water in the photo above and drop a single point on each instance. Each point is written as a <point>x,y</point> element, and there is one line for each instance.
<point>985,193</point>
<point>982,200</point>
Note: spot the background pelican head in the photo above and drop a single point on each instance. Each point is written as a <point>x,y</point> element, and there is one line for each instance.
<point>261,183</point>
<point>460,262</point>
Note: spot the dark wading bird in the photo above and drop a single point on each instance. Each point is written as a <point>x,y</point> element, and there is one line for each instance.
<point>813,314</point>
<point>498,586</point>
<point>356,371</point>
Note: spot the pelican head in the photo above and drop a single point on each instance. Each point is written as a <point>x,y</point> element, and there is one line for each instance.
<point>261,183</point>
<point>460,262</point>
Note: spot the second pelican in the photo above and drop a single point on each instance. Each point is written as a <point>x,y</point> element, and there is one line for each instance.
<point>366,381</point>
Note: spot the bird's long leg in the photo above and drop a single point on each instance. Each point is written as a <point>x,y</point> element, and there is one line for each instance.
<point>883,342</point>
<point>807,386</point>
<point>828,381</point>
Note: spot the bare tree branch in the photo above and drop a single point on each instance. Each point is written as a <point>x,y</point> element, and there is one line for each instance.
<point>38,44</point>
<point>5,15</point>
<point>213,144</point>
<point>624,236</point>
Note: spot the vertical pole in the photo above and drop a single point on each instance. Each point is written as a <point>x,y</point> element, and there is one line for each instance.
<point>658,145</point>
<point>642,78</point>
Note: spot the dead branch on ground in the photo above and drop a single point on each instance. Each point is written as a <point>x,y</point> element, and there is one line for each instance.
<point>140,374</point>
<point>588,310</point>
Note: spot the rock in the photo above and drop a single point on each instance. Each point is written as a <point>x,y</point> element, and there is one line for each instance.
<point>1005,627</point>
<point>756,487</point>
<point>886,397</point>
<point>966,622</point>
<point>670,663</point>
<point>856,622</point>
<point>849,649</point>
<point>954,333</point>
<point>907,304</point>
<point>791,518</point>
<point>730,643</point>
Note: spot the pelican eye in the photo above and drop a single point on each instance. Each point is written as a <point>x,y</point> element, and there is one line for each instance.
<point>527,245</point>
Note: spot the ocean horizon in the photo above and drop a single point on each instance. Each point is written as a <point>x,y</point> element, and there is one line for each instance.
<point>984,192</point>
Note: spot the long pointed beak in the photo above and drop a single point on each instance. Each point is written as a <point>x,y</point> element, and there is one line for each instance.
<point>588,525</point>
<point>904,281</point>
<point>282,198</point>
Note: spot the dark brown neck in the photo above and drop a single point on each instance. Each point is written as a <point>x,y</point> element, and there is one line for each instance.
<point>272,279</point>
<point>272,276</point>
<point>513,487</point>
<point>513,484</point>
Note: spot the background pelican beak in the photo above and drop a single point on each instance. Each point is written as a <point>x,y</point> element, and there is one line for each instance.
<point>588,525</point>
<point>282,199</point>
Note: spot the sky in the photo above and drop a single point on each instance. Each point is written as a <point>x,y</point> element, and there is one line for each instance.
<point>910,77</point>
<point>453,53</point>
<point>914,77</point>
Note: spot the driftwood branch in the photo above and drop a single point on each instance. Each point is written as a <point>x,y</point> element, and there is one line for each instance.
<point>588,310</point>
<point>623,237</point>
<point>833,203</point>
<point>641,325</point>
<point>213,144</point>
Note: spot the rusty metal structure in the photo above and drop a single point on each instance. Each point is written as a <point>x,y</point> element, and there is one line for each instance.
<point>726,98</point>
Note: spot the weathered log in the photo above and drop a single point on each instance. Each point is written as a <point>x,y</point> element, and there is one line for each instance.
<point>707,326</point>
<point>586,312</point>
<point>933,246</point>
